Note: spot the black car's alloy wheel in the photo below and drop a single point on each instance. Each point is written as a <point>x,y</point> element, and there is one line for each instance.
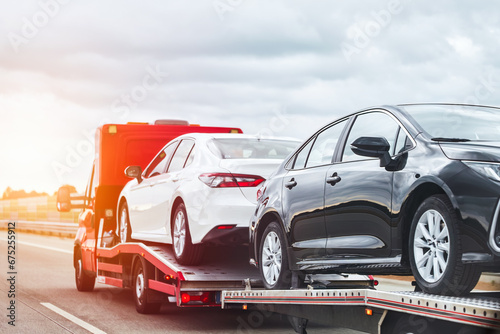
<point>435,250</point>
<point>273,264</point>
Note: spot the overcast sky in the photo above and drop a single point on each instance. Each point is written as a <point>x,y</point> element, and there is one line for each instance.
<point>282,67</point>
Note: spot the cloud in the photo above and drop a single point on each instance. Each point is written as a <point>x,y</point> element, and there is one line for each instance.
<point>234,69</point>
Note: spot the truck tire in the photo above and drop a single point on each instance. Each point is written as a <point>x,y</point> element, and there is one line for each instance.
<point>184,251</point>
<point>141,290</point>
<point>84,282</point>
<point>273,264</point>
<point>435,250</point>
<point>124,230</point>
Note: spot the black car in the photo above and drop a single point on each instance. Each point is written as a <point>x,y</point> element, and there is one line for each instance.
<point>407,189</point>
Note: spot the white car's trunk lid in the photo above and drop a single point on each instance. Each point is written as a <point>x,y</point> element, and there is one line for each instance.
<point>260,167</point>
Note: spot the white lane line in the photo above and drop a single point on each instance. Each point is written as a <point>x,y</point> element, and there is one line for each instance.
<point>73,319</point>
<point>41,246</point>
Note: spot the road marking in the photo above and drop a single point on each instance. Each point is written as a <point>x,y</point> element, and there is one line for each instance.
<point>73,319</point>
<point>41,246</point>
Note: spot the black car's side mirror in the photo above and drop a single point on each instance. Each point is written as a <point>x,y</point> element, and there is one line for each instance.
<point>374,147</point>
<point>134,172</point>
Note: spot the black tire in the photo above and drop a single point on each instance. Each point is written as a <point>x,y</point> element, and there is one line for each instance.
<point>84,282</point>
<point>273,264</point>
<point>184,251</point>
<point>435,236</point>
<point>141,290</point>
<point>124,230</point>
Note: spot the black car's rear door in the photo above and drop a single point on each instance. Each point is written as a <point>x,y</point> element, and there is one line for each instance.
<point>303,194</point>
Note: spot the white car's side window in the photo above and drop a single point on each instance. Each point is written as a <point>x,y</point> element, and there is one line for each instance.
<point>159,163</point>
<point>181,154</point>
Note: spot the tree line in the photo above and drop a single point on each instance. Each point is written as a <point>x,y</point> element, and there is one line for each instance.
<point>10,193</point>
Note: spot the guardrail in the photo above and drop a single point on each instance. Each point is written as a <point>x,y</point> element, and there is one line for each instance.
<point>50,228</point>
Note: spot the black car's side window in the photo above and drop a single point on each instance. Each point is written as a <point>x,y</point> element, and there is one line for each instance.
<point>320,149</point>
<point>301,157</point>
<point>159,163</point>
<point>374,124</point>
<point>181,155</point>
<point>324,146</point>
<point>403,143</point>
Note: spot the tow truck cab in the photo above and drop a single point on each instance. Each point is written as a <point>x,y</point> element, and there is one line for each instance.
<point>117,146</point>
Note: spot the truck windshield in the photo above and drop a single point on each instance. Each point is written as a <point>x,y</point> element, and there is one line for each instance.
<point>252,148</point>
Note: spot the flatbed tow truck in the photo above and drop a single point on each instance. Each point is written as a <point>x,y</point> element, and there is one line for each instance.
<point>226,280</point>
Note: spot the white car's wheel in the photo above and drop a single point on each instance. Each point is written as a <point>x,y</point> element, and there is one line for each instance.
<point>184,251</point>
<point>124,224</point>
<point>435,250</point>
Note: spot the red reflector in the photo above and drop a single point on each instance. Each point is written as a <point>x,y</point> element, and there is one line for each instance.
<point>195,298</point>
<point>228,180</point>
<point>371,278</point>
<point>225,227</point>
<point>185,298</point>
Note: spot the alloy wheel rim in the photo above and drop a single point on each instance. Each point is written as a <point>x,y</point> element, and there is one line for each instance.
<point>179,233</point>
<point>123,225</point>
<point>139,285</point>
<point>79,270</point>
<point>431,246</point>
<point>271,258</point>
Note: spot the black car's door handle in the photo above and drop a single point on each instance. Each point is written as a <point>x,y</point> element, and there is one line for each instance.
<point>333,179</point>
<point>290,184</point>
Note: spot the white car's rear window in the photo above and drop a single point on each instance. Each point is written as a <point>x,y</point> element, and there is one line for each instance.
<point>250,148</point>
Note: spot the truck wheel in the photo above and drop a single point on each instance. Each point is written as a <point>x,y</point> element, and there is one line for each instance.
<point>84,281</point>
<point>141,290</point>
<point>184,251</point>
<point>124,229</point>
<point>436,252</point>
<point>273,264</point>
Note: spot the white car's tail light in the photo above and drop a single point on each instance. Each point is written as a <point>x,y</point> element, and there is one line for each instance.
<point>227,180</point>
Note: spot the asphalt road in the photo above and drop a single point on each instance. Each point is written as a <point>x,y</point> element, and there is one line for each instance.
<point>46,300</point>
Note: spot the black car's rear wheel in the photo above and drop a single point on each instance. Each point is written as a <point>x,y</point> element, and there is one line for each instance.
<point>273,264</point>
<point>436,252</point>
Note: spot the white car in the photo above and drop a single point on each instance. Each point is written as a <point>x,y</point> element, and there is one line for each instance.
<point>200,188</point>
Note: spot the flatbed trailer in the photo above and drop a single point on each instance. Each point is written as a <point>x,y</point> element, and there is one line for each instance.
<point>227,281</point>
<point>374,311</point>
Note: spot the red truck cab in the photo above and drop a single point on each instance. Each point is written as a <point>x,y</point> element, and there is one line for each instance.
<point>117,146</point>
